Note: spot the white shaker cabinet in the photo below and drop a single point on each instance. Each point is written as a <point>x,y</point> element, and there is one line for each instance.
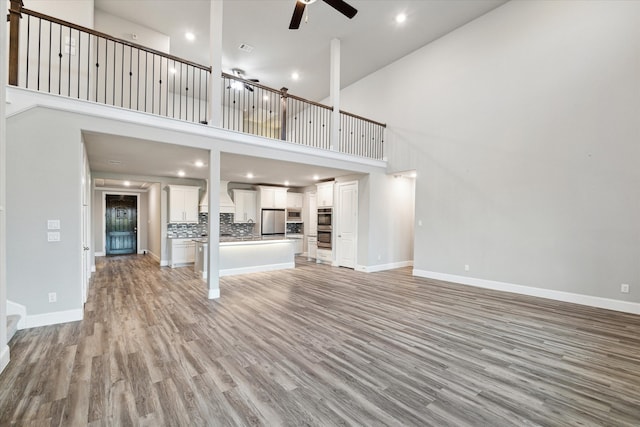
<point>183,203</point>
<point>273,197</point>
<point>324,194</point>
<point>294,200</point>
<point>245,206</point>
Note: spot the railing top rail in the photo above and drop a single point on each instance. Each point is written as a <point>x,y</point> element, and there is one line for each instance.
<point>317,104</point>
<point>281,92</point>
<point>355,116</point>
<point>113,39</point>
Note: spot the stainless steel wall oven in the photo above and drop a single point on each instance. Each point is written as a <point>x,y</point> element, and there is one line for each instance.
<point>325,228</point>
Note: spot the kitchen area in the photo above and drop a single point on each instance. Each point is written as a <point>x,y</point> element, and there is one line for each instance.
<point>262,227</point>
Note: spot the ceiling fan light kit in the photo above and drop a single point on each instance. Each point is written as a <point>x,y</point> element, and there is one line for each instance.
<point>339,5</point>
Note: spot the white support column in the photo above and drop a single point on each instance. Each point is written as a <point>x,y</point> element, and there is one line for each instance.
<point>215,55</point>
<point>213,270</point>
<point>4,66</point>
<point>334,93</point>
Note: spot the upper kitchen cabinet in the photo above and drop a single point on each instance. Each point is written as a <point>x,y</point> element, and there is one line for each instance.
<point>246,205</point>
<point>294,200</point>
<point>183,203</point>
<point>324,195</point>
<point>273,197</point>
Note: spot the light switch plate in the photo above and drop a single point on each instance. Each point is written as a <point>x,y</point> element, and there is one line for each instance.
<point>53,236</point>
<point>53,224</point>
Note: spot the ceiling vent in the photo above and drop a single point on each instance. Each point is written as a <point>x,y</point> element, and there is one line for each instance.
<point>115,162</point>
<point>246,47</point>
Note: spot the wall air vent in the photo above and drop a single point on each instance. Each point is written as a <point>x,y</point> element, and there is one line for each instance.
<point>245,47</point>
<point>115,162</point>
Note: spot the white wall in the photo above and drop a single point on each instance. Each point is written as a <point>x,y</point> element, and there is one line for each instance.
<point>79,12</point>
<point>124,29</point>
<point>45,173</point>
<point>154,226</point>
<point>523,127</point>
<point>4,349</point>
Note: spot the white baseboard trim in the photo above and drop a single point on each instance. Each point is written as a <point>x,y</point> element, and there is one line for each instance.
<point>256,269</point>
<point>164,263</point>
<point>98,254</point>
<point>154,256</point>
<point>383,267</point>
<point>599,302</point>
<point>214,293</point>
<point>93,268</point>
<point>53,318</point>
<point>20,310</point>
<point>4,358</point>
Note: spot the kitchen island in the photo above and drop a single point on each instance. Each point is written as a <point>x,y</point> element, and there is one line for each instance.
<point>250,255</point>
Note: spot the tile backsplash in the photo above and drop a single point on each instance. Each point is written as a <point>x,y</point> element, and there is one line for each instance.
<point>230,228</point>
<point>178,231</point>
<point>227,228</point>
<point>295,228</point>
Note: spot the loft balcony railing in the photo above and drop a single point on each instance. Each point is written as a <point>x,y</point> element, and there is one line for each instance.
<point>51,55</point>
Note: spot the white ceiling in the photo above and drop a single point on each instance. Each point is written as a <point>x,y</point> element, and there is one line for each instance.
<point>139,158</point>
<point>368,42</point>
<point>371,40</point>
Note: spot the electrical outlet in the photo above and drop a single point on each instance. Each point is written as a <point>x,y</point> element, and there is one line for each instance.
<point>466,267</point>
<point>53,297</point>
<point>624,288</point>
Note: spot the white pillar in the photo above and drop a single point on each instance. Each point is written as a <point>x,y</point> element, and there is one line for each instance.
<point>213,270</point>
<point>215,57</point>
<point>334,93</point>
<point>4,66</point>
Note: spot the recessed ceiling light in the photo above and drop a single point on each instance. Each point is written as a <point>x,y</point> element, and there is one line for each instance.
<point>295,75</point>
<point>190,36</point>
<point>286,183</point>
<point>400,18</point>
<point>249,175</point>
<point>181,173</point>
<point>126,183</point>
<point>199,163</point>
<point>316,177</point>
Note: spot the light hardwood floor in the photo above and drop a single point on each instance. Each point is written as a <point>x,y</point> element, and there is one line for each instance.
<point>320,346</point>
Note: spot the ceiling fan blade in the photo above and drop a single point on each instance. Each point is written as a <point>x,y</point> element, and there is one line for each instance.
<point>342,7</point>
<point>297,16</point>
<point>254,80</point>
<point>249,88</point>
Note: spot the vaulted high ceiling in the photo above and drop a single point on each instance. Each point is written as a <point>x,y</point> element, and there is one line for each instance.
<point>371,40</point>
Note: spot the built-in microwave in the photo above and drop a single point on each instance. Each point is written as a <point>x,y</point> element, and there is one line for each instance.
<point>294,215</point>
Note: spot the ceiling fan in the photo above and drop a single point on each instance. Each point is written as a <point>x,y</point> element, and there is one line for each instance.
<point>238,85</point>
<point>339,5</point>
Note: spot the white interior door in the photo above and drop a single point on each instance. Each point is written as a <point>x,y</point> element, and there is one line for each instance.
<point>347,224</point>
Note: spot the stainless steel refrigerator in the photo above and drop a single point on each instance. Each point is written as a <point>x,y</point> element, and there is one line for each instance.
<point>273,221</point>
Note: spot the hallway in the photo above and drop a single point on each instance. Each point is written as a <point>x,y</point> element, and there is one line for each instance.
<point>319,345</point>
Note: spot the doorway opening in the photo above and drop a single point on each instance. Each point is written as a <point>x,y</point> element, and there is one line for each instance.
<point>121,220</point>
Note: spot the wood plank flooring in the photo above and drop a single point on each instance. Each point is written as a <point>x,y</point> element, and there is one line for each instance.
<point>320,346</point>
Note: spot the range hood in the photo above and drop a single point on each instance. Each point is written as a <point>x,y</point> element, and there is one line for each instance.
<point>226,204</point>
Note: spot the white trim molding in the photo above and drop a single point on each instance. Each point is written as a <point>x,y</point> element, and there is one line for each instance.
<point>256,269</point>
<point>384,267</point>
<point>53,318</point>
<point>588,300</point>
<point>214,293</point>
<point>4,358</point>
<point>20,310</point>
<point>98,254</point>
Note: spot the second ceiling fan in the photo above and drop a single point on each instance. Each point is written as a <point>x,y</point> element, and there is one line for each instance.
<point>339,5</point>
